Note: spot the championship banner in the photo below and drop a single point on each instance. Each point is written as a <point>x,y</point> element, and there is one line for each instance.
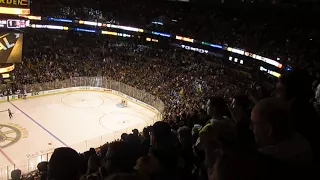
<point>11,47</point>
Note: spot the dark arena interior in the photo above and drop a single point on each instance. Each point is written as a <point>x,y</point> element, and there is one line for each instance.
<point>205,90</point>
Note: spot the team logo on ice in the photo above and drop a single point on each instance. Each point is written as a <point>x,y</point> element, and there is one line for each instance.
<point>10,134</point>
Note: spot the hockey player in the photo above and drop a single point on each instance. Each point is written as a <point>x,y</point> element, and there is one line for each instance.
<point>10,114</point>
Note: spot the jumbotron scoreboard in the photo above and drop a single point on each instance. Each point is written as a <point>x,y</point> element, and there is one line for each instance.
<point>11,39</point>
<point>11,44</point>
<point>15,7</point>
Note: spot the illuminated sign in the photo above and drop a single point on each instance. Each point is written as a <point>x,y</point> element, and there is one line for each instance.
<point>195,49</point>
<point>7,69</point>
<point>127,28</point>
<point>109,33</point>
<point>31,17</point>
<point>11,47</point>
<point>90,23</point>
<point>161,34</point>
<point>264,59</point>
<point>184,39</point>
<point>24,3</point>
<point>5,75</point>
<point>212,45</point>
<point>153,40</point>
<point>115,33</point>
<point>270,72</point>
<point>14,23</point>
<point>236,60</point>
<point>234,50</point>
<point>15,11</point>
<point>43,26</point>
<point>85,30</point>
<point>60,20</point>
<point>17,7</point>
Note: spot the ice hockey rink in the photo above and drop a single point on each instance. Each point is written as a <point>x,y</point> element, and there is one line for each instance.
<point>76,119</point>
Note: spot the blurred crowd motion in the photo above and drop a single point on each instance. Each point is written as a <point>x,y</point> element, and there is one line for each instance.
<point>219,123</point>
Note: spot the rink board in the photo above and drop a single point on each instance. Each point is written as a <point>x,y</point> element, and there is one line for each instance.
<point>78,117</point>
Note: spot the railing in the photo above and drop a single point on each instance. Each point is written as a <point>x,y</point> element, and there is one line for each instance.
<point>143,98</point>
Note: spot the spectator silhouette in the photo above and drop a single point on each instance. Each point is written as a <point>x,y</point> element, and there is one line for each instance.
<point>43,170</point>
<point>273,130</point>
<point>218,109</point>
<point>16,174</point>
<point>296,88</point>
<point>64,164</point>
<point>240,111</point>
<point>164,150</point>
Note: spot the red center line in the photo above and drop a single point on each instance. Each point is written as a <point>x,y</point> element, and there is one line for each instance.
<point>6,156</point>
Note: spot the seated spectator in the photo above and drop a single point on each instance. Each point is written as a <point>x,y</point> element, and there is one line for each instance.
<point>64,164</point>
<point>124,136</point>
<point>43,170</point>
<point>148,167</point>
<point>16,174</point>
<point>93,166</point>
<point>122,176</point>
<point>120,158</point>
<point>136,132</point>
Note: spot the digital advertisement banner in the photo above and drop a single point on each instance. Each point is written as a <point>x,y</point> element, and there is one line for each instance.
<point>11,47</point>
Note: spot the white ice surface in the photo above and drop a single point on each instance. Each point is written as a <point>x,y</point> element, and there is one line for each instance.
<point>77,119</point>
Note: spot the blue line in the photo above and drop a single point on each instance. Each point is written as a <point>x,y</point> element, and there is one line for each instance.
<point>39,125</point>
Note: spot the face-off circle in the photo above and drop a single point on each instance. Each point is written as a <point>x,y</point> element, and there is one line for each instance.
<point>81,100</point>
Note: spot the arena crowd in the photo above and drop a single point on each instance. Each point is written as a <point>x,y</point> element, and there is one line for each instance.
<point>219,123</point>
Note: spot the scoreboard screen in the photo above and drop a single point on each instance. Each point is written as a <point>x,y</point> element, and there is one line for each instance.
<point>16,7</point>
<point>14,23</point>
<point>11,47</point>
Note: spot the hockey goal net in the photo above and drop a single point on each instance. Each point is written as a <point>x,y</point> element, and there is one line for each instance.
<point>124,103</point>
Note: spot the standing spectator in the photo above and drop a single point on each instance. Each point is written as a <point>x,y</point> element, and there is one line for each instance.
<point>186,151</point>
<point>240,111</point>
<point>145,141</point>
<point>274,133</point>
<point>295,88</point>
<point>164,150</point>
<point>217,109</point>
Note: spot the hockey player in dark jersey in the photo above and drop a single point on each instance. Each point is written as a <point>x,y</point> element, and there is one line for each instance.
<point>10,113</point>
